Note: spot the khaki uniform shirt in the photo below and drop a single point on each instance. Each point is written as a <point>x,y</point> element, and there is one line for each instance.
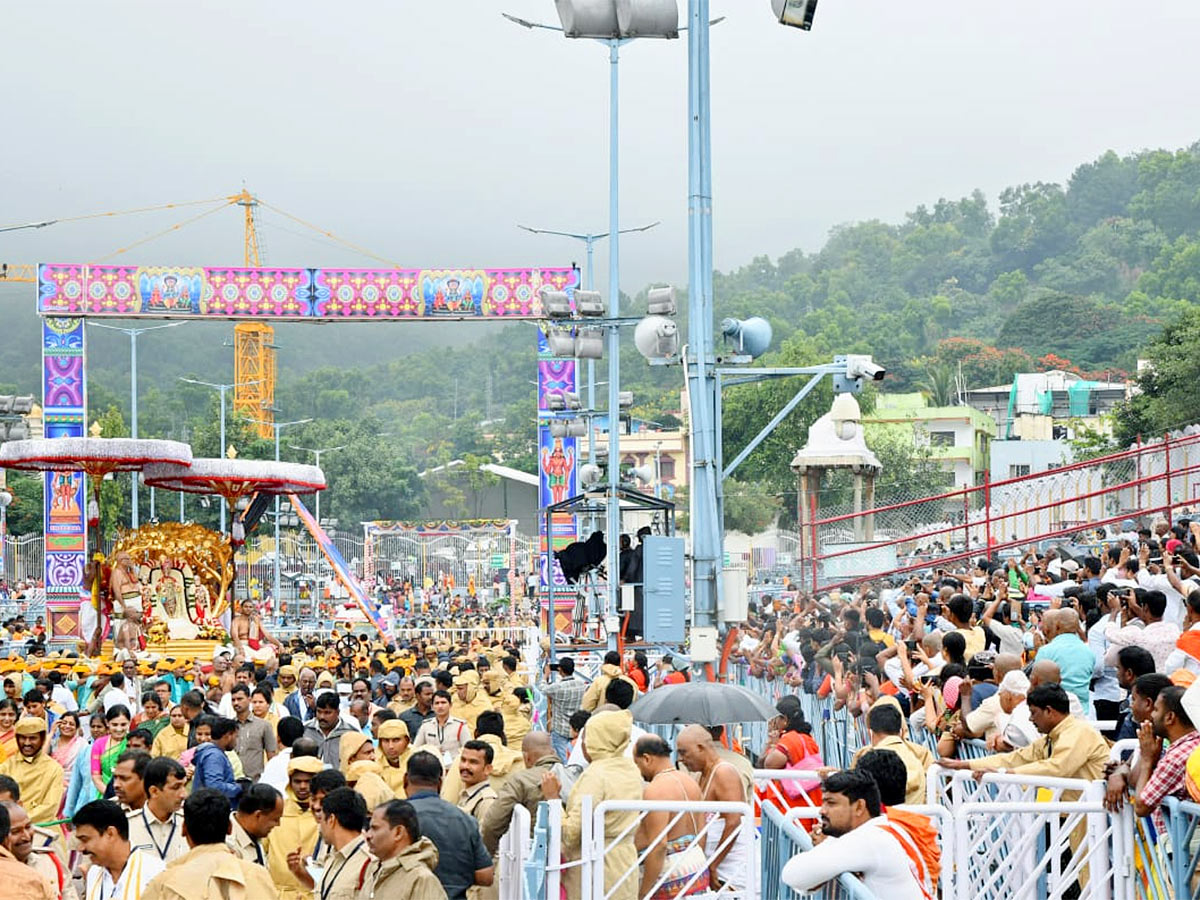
<point>296,828</point>
<point>406,876</point>
<point>210,871</point>
<point>43,862</point>
<point>23,881</point>
<point>345,870</point>
<point>164,840</point>
<point>41,781</point>
<point>1072,749</point>
<point>475,801</point>
<point>243,845</point>
<point>916,759</point>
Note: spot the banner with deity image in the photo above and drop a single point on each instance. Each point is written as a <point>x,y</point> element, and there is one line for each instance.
<point>558,457</point>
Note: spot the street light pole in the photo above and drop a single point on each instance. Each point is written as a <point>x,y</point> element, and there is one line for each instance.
<point>316,452</point>
<point>705,520</point>
<point>5,499</point>
<point>589,239</point>
<point>614,346</point>
<point>221,389</point>
<point>133,393</point>
<point>278,427</point>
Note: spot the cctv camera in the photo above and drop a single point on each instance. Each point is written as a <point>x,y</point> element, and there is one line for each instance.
<point>861,366</point>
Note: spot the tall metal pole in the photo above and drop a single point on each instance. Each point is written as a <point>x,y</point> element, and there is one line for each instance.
<point>706,525</point>
<point>276,599</point>
<point>133,428</point>
<point>614,345</point>
<point>591,363</point>
<point>133,392</point>
<point>221,390</point>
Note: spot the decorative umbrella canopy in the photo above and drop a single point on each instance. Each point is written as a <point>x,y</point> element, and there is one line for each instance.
<point>236,478</point>
<point>94,455</point>
<point>701,703</point>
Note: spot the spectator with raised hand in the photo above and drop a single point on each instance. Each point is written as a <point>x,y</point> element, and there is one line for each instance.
<point>1141,624</point>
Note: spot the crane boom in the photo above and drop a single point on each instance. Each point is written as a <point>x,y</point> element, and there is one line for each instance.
<point>18,272</point>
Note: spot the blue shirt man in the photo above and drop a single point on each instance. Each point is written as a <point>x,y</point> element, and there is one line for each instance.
<point>213,768</point>
<point>1075,659</point>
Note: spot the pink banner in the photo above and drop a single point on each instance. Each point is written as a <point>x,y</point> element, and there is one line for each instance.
<point>327,294</point>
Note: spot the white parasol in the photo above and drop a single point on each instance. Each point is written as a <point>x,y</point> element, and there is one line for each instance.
<point>235,478</point>
<point>96,456</point>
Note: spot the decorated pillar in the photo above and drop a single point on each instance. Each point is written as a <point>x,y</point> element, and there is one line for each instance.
<point>64,405</point>
<point>558,465</point>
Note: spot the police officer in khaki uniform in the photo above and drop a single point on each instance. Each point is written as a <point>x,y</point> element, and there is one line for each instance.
<point>343,820</point>
<point>259,810</point>
<point>20,843</point>
<point>157,826</point>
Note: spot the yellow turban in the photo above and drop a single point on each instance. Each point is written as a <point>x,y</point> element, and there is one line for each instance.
<point>288,670</point>
<point>31,725</point>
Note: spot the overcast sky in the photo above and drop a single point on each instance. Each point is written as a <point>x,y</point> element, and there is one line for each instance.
<point>425,130</point>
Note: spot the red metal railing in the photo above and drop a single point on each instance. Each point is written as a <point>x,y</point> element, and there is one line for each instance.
<point>1147,480</point>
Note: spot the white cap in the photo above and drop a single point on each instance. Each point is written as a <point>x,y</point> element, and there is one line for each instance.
<point>1015,682</point>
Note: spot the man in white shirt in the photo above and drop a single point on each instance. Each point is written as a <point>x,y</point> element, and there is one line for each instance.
<point>1157,636</point>
<point>855,836</point>
<point>1152,577</point>
<point>117,869</point>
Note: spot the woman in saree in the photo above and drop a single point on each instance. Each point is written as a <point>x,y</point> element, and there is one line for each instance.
<point>105,751</point>
<point>66,743</point>
<point>80,790</point>
<point>8,724</point>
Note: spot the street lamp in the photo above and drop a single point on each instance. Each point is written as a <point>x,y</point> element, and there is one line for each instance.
<point>278,427</point>
<point>222,389</point>
<point>6,498</point>
<point>589,241</point>
<point>613,22</point>
<point>133,391</point>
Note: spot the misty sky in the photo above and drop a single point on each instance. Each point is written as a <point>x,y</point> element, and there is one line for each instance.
<point>425,130</point>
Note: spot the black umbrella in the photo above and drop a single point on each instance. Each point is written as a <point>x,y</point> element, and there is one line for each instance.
<point>701,703</point>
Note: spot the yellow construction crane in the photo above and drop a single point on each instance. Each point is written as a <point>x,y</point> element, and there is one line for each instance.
<point>254,342</point>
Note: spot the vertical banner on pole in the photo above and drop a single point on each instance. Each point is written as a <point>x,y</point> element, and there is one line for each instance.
<point>558,465</point>
<point>64,411</point>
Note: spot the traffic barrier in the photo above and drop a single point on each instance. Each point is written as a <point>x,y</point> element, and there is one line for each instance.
<point>783,838</point>
<point>597,846</point>
<point>1183,826</point>
<point>512,854</point>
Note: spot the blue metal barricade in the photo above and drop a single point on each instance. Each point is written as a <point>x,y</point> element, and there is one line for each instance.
<point>1183,826</point>
<point>781,840</point>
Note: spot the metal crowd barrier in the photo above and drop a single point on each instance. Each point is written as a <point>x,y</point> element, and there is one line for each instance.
<point>782,839</point>
<point>1183,819</point>
<point>512,854</point>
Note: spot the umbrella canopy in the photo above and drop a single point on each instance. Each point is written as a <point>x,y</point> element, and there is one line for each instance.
<point>235,478</point>
<point>701,703</point>
<point>94,455</point>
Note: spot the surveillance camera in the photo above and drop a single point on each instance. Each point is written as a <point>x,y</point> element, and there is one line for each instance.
<point>861,366</point>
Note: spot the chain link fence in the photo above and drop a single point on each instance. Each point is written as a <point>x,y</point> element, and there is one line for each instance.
<point>1075,503</point>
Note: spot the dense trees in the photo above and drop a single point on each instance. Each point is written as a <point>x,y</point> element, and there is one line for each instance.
<point>1083,275</point>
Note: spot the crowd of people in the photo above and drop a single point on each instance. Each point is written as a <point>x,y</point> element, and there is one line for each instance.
<point>392,770</point>
<point>1034,663</point>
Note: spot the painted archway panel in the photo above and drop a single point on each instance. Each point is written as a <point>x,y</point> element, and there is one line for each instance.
<point>296,293</point>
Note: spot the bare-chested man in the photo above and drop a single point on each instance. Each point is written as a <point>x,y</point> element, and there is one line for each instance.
<point>127,601</point>
<point>677,851</point>
<point>729,847</point>
<point>248,632</point>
